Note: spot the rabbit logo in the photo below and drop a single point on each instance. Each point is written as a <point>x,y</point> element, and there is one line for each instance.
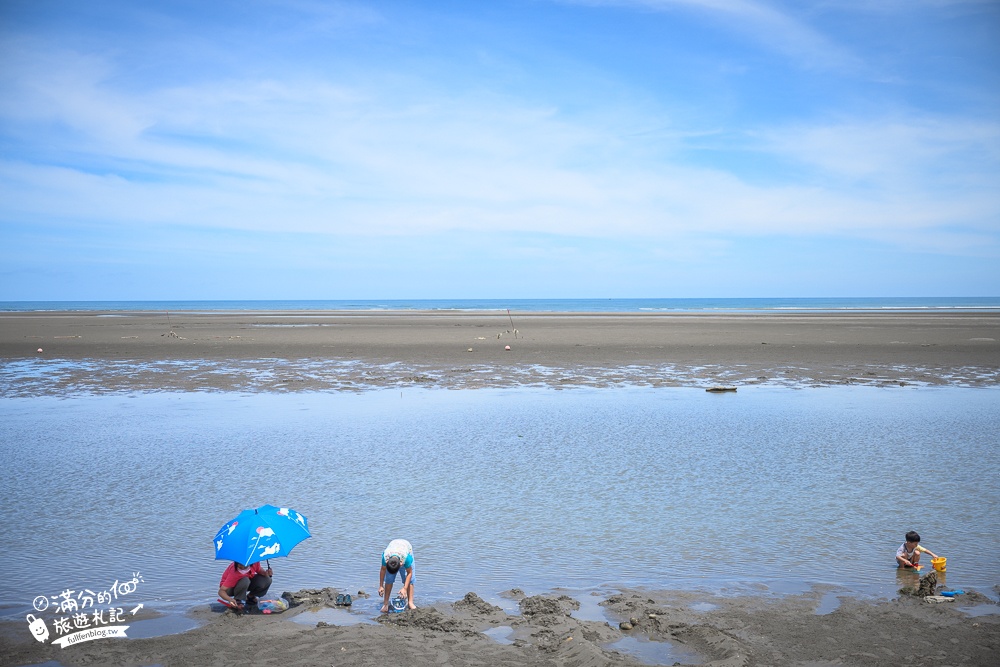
<point>39,630</point>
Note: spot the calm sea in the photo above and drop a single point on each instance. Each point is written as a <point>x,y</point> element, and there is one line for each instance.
<point>765,490</point>
<point>535,305</point>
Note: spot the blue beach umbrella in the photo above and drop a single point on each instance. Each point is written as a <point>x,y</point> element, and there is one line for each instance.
<point>260,534</point>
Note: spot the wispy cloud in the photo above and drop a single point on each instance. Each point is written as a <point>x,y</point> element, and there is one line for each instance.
<point>758,22</point>
<point>314,156</point>
<point>936,151</point>
<point>407,146</point>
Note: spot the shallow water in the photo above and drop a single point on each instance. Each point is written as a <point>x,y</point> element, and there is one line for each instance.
<point>501,634</point>
<point>654,652</point>
<point>337,616</point>
<point>169,624</point>
<point>766,490</point>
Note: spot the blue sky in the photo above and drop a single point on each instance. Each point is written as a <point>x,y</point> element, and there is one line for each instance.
<point>499,148</point>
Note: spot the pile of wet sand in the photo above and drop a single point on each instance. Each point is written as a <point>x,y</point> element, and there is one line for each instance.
<point>703,629</point>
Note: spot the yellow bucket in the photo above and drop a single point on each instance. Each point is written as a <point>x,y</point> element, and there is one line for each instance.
<point>939,563</point>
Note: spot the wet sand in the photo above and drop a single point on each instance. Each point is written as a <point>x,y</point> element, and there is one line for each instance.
<point>290,351</point>
<point>700,629</point>
<point>110,352</point>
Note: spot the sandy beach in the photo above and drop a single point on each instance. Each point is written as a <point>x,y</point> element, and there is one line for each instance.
<point>291,351</point>
<point>701,629</point>
<point>351,351</point>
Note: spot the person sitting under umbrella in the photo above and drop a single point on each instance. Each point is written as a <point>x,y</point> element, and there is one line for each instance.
<point>241,584</point>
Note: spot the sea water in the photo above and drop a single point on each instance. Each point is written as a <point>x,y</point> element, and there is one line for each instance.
<point>616,305</point>
<point>764,490</point>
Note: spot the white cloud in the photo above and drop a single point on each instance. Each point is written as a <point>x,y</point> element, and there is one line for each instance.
<point>758,22</point>
<point>938,170</point>
<point>42,82</point>
<point>400,157</point>
<point>893,6</point>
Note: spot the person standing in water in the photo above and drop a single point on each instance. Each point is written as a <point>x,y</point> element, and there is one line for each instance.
<point>396,559</point>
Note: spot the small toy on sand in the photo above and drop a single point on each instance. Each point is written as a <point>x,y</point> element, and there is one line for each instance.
<point>272,606</point>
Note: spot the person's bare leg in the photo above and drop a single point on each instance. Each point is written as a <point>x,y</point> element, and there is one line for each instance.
<point>385,598</point>
<point>409,596</point>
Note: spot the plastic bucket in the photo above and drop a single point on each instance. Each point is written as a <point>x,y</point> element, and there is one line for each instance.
<point>939,563</point>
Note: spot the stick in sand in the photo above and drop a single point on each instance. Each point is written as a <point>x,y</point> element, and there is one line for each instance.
<point>511,323</point>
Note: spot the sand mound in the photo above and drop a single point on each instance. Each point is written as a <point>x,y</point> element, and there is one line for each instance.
<point>475,605</point>
<point>311,597</point>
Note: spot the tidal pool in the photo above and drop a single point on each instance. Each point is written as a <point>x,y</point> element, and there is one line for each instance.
<point>766,490</point>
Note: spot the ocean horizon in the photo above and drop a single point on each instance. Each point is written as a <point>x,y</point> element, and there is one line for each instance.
<point>608,305</point>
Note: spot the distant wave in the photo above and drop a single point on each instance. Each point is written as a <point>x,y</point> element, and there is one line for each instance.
<point>693,305</point>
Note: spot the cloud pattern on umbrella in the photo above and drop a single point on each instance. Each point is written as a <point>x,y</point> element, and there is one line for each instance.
<point>257,534</point>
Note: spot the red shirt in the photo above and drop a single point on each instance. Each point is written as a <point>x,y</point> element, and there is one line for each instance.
<point>232,576</point>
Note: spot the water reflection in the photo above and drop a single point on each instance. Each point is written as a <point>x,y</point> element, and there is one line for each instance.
<point>981,610</point>
<point>333,616</point>
<point>828,603</point>
<point>643,487</point>
<point>590,607</point>
<point>502,634</point>
<point>170,624</point>
<point>653,652</point>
